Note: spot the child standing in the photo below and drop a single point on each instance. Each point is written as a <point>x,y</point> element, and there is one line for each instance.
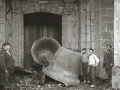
<point>93,62</point>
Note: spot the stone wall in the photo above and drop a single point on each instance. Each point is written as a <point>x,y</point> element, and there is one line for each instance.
<point>2,22</point>
<point>15,26</point>
<point>116,68</point>
<point>97,28</point>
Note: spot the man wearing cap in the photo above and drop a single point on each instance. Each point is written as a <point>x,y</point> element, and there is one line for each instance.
<point>85,60</point>
<point>108,62</point>
<point>6,64</point>
<point>93,62</point>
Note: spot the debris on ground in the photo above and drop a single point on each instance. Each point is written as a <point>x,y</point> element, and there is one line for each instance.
<point>32,82</point>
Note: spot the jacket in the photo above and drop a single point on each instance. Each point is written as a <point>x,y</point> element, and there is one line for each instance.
<point>6,63</point>
<point>108,59</point>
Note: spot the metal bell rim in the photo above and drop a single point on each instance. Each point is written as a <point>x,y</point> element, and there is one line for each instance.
<point>38,42</point>
<point>60,77</point>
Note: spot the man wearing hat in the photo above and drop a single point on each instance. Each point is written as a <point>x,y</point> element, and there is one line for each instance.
<point>85,60</point>
<point>93,62</point>
<point>108,62</point>
<point>6,64</point>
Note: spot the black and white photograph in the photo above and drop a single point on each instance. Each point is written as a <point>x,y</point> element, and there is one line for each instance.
<point>59,45</point>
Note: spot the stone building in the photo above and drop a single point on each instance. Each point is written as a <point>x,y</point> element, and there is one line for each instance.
<point>84,23</point>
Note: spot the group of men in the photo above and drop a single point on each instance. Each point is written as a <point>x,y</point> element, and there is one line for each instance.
<point>90,62</point>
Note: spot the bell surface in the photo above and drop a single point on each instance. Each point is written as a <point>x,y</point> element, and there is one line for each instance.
<point>65,66</point>
<point>44,49</point>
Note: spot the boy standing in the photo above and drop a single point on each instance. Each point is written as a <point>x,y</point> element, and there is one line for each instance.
<point>85,60</point>
<point>93,62</point>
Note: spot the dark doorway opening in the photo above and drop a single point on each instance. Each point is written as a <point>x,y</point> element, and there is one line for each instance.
<point>37,25</point>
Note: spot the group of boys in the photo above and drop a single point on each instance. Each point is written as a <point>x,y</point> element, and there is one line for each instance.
<point>90,62</point>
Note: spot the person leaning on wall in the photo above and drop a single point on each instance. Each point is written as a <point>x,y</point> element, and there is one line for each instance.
<point>6,64</point>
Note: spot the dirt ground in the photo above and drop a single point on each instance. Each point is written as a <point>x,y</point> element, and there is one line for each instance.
<point>32,82</point>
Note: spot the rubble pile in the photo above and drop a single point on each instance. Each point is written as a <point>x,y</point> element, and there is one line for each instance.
<point>29,82</point>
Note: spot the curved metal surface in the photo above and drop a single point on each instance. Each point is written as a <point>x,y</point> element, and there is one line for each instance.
<point>44,49</point>
<point>65,66</point>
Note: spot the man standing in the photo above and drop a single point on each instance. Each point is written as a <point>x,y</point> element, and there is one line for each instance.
<point>108,62</point>
<point>93,62</point>
<point>85,60</point>
<point>6,64</point>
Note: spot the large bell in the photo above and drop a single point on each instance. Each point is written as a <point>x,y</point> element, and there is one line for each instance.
<point>65,66</point>
<point>44,48</point>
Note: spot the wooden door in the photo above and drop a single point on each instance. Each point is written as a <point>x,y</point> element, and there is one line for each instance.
<point>34,30</point>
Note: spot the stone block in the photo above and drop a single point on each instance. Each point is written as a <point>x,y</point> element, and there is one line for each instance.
<point>82,15</point>
<point>92,28</point>
<point>48,8</point>
<point>88,22</point>
<point>64,30</point>
<point>88,7</point>
<point>103,11</point>
<point>102,51</point>
<point>88,37</point>
<point>104,18</point>
<point>111,11</point>
<point>88,45</point>
<point>107,3</point>
<point>117,25</point>
<point>88,16</point>
<point>83,45</point>
<point>82,37</point>
<point>117,37</point>
<point>116,77</point>
<point>88,29</point>
<point>42,8</point>
<point>110,27</point>
<point>116,48</point>
<point>103,26</point>
<point>110,18</point>
<point>106,35</point>
<point>82,22</point>
<point>82,29</point>
<point>1,13</point>
<point>92,36</point>
<point>24,7</point>
<point>93,44</point>
<point>92,15</point>
<point>105,42</point>
<point>1,3</point>
<point>97,27</point>
<point>60,9</point>
<point>37,7</point>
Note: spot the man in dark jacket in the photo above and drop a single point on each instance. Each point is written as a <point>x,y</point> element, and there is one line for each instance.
<point>6,64</point>
<point>108,62</point>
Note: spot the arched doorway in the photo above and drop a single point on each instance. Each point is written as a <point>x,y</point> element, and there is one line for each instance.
<point>37,25</point>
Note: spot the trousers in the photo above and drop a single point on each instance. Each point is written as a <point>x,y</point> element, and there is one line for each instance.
<point>92,75</point>
<point>109,72</point>
<point>85,71</point>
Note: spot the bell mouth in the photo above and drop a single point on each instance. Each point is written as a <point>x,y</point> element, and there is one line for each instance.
<point>59,77</point>
<point>44,49</point>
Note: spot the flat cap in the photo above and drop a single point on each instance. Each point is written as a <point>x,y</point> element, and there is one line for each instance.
<point>6,43</point>
<point>108,45</point>
<point>91,49</point>
<point>84,49</point>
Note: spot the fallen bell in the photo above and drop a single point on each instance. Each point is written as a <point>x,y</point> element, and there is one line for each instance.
<point>44,49</point>
<point>65,66</point>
